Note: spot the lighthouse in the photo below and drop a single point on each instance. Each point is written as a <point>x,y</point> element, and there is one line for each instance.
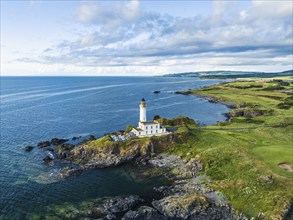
<point>142,106</point>
<point>147,128</point>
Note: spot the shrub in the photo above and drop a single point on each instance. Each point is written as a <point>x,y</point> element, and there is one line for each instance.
<point>281,82</point>
<point>179,121</point>
<point>129,128</point>
<point>156,117</point>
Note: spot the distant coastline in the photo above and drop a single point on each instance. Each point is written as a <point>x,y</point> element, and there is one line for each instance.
<point>230,74</point>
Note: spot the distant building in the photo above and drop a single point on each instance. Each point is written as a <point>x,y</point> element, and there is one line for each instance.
<point>147,128</point>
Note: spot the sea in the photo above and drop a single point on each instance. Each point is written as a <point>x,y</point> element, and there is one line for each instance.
<point>35,109</point>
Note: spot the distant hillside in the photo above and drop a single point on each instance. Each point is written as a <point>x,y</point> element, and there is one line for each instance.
<point>229,74</point>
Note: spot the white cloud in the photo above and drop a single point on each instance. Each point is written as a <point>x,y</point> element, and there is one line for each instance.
<point>130,10</point>
<point>124,39</point>
<point>87,13</point>
<point>269,9</point>
<point>114,14</point>
<point>220,8</point>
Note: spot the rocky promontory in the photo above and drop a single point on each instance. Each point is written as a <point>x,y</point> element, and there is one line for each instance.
<point>189,196</point>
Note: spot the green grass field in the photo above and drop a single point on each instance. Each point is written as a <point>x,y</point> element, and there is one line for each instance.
<point>242,156</point>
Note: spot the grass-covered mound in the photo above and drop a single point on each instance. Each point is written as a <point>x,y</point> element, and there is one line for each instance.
<point>242,156</point>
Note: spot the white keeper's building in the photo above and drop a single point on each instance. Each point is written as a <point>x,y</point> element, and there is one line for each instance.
<point>147,128</point>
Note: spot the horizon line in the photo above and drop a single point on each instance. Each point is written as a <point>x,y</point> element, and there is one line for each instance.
<point>145,75</point>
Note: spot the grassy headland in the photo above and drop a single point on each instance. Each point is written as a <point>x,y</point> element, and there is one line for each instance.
<point>242,155</point>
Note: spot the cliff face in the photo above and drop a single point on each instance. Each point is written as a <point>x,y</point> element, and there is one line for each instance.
<point>104,152</point>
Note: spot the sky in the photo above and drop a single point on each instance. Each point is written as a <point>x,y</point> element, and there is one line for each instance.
<point>138,38</point>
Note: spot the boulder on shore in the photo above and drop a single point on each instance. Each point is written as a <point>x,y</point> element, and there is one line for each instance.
<point>157,91</point>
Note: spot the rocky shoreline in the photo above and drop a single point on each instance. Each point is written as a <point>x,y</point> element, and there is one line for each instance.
<point>189,197</point>
<point>211,99</point>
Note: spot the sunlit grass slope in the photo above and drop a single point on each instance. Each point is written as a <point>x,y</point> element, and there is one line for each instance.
<point>242,155</point>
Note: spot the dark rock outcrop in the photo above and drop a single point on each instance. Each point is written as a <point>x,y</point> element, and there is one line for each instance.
<point>191,168</point>
<point>246,112</point>
<point>113,208</point>
<point>63,155</point>
<point>44,144</point>
<point>67,172</point>
<point>91,138</point>
<point>56,141</point>
<point>28,148</point>
<point>47,159</point>
<point>67,147</point>
<point>64,150</point>
<point>144,213</point>
<point>157,91</point>
<point>118,205</point>
<point>191,207</point>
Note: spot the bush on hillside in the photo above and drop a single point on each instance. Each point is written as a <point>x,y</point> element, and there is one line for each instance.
<point>272,88</point>
<point>179,121</point>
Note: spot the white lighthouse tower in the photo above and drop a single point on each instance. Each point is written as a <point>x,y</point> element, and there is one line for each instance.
<point>142,106</point>
<point>147,128</point>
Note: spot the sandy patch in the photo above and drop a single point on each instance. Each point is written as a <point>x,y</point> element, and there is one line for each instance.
<point>286,166</point>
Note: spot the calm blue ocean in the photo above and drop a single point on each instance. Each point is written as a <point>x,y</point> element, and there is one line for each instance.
<point>34,109</point>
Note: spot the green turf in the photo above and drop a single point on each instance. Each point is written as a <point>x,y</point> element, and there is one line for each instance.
<point>275,154</point>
